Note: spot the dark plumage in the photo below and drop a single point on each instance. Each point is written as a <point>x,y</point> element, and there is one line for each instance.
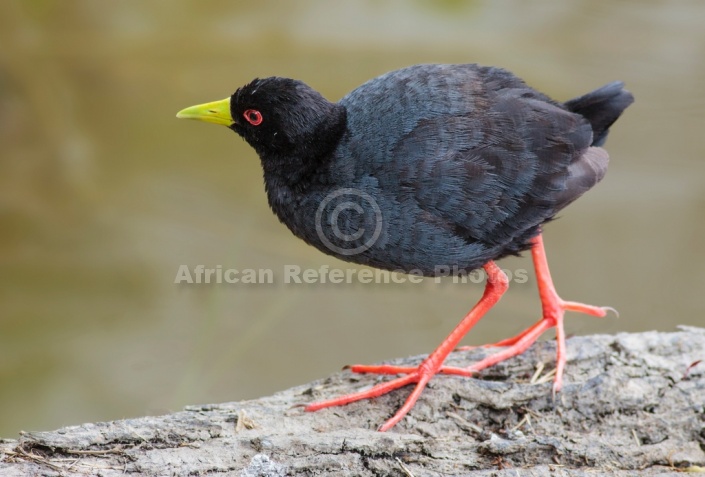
<point>467,160</point>
<point>428,169</point>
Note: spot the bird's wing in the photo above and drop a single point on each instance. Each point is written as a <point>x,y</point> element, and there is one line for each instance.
<point>512,176</point>
<point>479,152</point>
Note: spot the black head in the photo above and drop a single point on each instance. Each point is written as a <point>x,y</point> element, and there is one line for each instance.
<point>279,117</point>
<point>284,117</point>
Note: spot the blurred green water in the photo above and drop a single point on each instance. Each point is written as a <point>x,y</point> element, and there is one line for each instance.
<point>104,194</point>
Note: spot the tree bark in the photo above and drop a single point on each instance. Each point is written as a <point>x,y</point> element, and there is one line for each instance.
<point>632,404</point>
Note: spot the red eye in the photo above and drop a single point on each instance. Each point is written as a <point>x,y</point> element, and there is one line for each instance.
<point>253,117</point>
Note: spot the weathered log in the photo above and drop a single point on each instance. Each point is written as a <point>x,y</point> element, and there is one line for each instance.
<point>632,404</point>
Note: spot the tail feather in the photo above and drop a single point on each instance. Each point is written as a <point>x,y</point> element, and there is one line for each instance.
<point>602,107</point>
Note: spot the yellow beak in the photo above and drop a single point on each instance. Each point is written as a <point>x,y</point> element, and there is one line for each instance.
<point>217,112</point>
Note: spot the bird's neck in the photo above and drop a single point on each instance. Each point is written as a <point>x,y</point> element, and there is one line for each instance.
<point>307,162</point>
<point>291,174</point>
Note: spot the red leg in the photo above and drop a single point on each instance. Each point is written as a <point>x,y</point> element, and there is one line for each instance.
<point>553,310</point>
<point>497,284</point>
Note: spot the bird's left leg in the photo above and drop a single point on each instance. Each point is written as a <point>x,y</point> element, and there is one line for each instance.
<point>497,284</point>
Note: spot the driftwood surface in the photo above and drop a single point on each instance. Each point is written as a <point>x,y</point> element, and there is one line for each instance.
<point>632,404</point>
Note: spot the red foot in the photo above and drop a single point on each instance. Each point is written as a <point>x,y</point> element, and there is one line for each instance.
<point>523,341</point>
<point>497,284</point>
<point>553,310</point>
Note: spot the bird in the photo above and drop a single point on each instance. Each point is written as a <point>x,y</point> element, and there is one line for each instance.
<point>426,169</point>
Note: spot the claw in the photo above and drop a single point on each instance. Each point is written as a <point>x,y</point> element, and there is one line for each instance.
<point>610,309</point>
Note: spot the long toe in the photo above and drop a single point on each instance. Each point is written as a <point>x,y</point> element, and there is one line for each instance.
<point>382,369</point>
<point>373,392</point>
